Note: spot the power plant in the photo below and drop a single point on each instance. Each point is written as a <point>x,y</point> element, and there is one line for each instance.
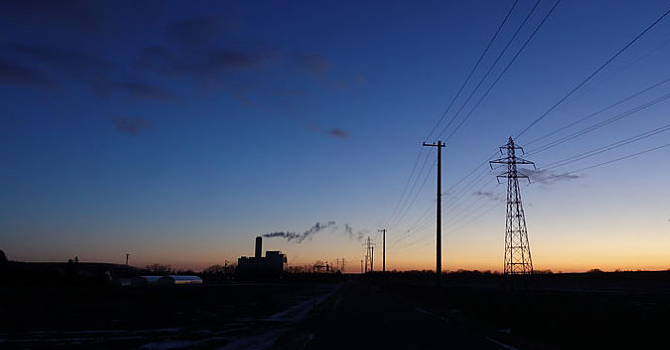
<point>269,266</point>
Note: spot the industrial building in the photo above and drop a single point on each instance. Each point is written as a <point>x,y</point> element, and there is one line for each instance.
<point>271,265</point>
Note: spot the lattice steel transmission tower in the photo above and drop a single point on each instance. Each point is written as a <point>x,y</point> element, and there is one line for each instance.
<point>518,260</point>
<point>369,254</point>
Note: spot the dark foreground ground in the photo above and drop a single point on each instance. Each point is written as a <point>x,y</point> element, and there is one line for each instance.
<point>361,316</point>
<point>392,311</point>
<point>194,317</point>
<point>560,311</point>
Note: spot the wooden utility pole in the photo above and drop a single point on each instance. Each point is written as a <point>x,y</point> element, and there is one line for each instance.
<point>372,259</point>
<point>383,231</point>
<point>438,267</point>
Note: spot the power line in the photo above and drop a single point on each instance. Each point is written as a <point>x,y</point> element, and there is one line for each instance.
<point>532,35</point>
<point>486,161</point>
<point>606,148</point>
<point>492,206</point>
<point>619,159</point>
<point>481,81</point>
<point>411,175</point>
<point>616,73</point>
<point>592,75</point>
<point>600,124</point>
<point>409,180</point>
<point>406,209</point>
<point>601,110</point>
<point>467,79</point>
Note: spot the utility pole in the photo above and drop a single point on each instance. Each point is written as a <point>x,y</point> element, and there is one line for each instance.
<point>127,255</point>
<point>438,253</point>
<point>372,259</point>
<point>361,265</point>
<point>383,231</point>
<point>342,265</point>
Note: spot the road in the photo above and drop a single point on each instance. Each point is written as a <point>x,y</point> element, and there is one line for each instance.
<point>362,317</point>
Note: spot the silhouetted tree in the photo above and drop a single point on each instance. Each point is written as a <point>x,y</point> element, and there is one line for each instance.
<point>160,269</point>
<point>214,270</point>
<point>3,261</point>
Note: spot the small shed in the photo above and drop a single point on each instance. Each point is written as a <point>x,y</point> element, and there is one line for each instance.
<point>169,280</point>
<point>146,280</point>
<point>184,279</point>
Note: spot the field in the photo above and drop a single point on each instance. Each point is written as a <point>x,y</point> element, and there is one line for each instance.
<point>111,317</point>
<point>570,311</point>
<point>399,310</point>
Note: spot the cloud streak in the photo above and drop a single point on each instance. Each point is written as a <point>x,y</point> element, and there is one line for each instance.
<point>200,31</point>
<point>313,63</point>
<point>144,91</point>
<point>131,125</point>
<point>333,132</point>
<point>496,197</point>
<point>338,133</point>
<point>547,178</point>
<point>81,15</point>
<point>70,62</point>
<point>13,74</point>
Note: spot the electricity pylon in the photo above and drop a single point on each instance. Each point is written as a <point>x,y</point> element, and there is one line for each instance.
<point>518,260</point>
<point>369,255</point>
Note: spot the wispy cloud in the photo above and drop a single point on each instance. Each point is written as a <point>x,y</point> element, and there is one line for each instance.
<point>70,62</point>
<point>131,125</point>
<point>333,132</point>
<point>201,30</point>
<point>14,74</point>
<point>497,197</point>
<point>313,63</point>
<point>338,133</point>
<point>547,178</point>
<point>287,92</point>
<point>206,65</point>
<point>73,14</point>
<point>144,91</point>
<point>210,52</point>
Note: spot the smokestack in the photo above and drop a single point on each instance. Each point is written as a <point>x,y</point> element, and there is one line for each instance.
<point>259,248</point>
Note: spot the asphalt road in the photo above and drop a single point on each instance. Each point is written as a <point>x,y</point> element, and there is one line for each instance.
<point>362,317</point>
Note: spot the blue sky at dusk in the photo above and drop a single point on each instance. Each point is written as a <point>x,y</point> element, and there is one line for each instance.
<point>178,132</point>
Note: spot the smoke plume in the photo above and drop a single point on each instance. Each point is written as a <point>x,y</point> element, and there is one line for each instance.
<point>299,237</point>
<point>350,232</point>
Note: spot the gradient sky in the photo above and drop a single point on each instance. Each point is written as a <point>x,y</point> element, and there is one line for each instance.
<point>177,133</point>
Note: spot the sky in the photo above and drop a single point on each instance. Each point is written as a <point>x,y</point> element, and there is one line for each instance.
<point>177,132</point>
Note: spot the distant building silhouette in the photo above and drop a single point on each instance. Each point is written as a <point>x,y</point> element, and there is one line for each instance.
<point>168,280</point>
<point>271,265</point>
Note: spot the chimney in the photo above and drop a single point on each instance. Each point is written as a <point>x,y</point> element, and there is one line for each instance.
<point>259,248</point>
